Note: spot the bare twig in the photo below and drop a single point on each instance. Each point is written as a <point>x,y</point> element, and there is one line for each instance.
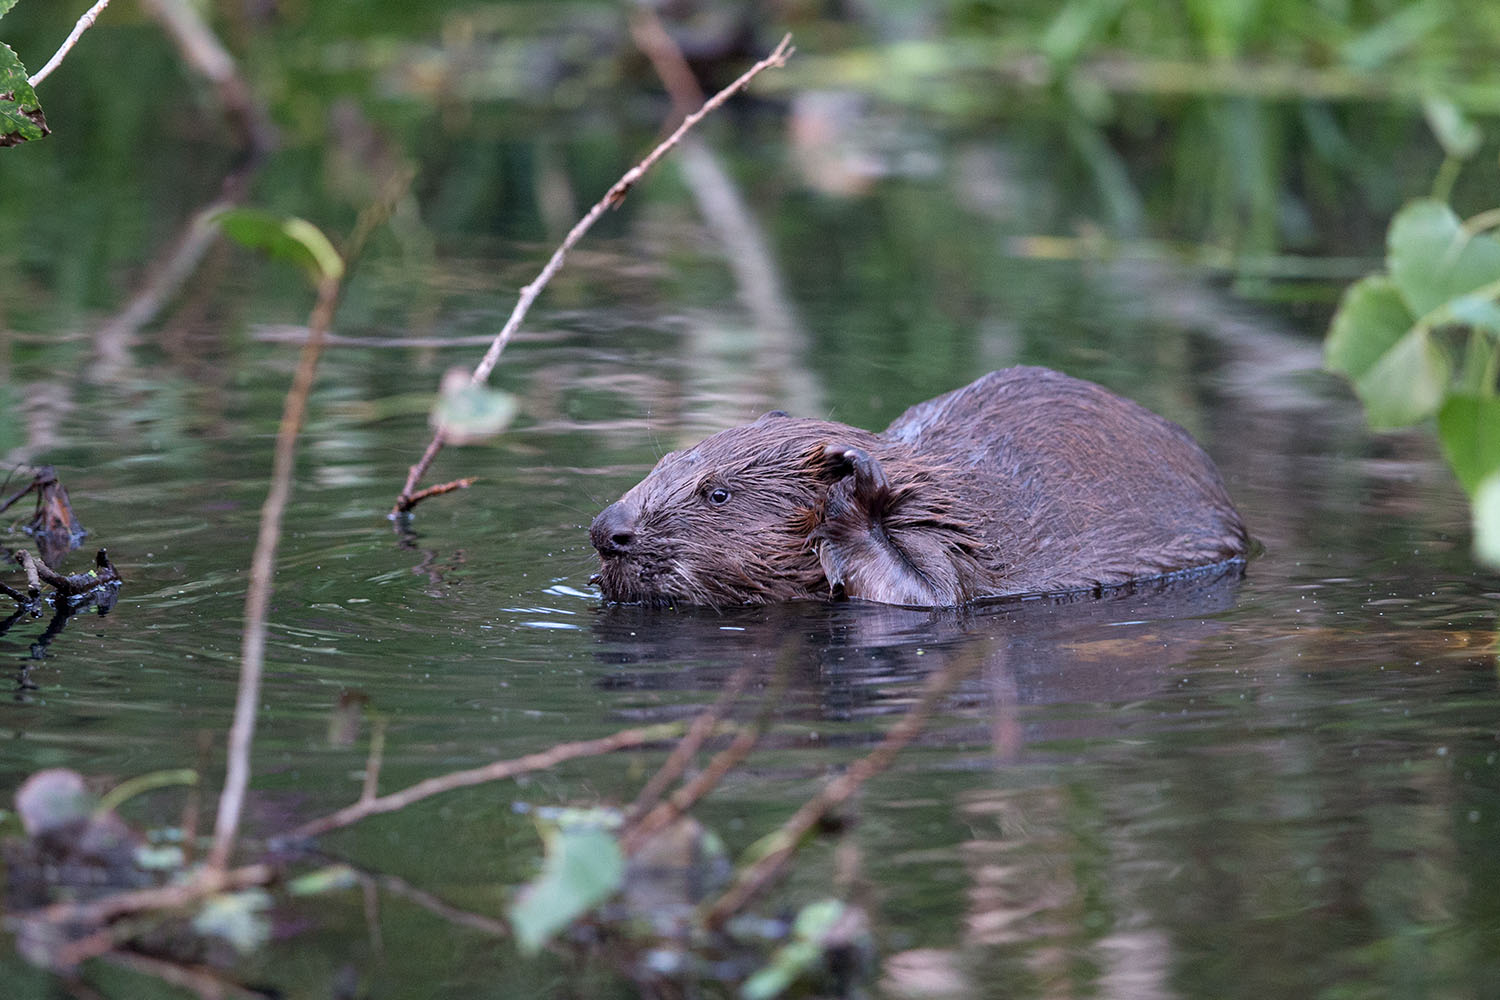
<point>611,199</point>
<point>32,566</point>
<point>496,771</point>
<point>262,565</point>
<point>371,787</point>
<point>263,561</point>
<point>438,490</point>
<point>756,877</point>
<point>84,24</point>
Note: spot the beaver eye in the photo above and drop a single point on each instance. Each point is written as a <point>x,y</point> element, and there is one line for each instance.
<point>718,496</point>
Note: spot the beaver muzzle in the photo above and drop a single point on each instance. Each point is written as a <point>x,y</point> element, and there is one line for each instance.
<point>613,531</point>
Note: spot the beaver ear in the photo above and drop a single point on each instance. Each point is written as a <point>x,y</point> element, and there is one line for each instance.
<point>870,489</point>
<point>771,415</point>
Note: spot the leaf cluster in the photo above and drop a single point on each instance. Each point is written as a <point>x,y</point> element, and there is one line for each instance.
<point>1423,340</point>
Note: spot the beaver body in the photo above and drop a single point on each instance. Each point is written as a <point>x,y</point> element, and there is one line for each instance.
<point>1026,481</point>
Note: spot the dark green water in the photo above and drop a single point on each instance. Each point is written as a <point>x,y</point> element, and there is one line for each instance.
<point>1283,786</point>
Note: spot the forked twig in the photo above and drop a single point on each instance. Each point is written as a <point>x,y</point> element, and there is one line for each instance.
<point>408,496</point>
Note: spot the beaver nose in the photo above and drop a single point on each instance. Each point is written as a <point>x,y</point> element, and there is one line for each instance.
<point>613,531</point>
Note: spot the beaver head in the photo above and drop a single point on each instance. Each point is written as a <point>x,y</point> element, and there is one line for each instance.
<point>725,521</point>
<point>782,509</point>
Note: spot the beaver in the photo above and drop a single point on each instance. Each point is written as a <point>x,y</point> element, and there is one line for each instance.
<point>1025,482</point>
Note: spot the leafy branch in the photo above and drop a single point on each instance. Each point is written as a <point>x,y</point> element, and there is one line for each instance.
<point>1422,340</point>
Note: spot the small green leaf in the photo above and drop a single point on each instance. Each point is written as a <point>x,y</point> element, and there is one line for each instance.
<point>21,118</point>
<point>333,878</point>
<point>1370,321</point>
<point>1406,384</point>
<point>583,868</point>
<point>1459,137</point>
<point>811,933</point>
<point>1487,521</point>
<point>468,413</point>
<point>284,238</point>
<point>1469,429</point>
<point>166,858</point>
<point>5,6</point>
<point>237,917</point>
<point>1433,259</point>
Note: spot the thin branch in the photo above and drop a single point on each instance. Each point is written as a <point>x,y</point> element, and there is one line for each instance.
<point>496,771</point>
<point>84,24</point>
<point>262,565</point>
<point>755,878</point>
<point>263,562</point>
<point>371,789</point>
<point>408,502</point>
<point>611,199</point>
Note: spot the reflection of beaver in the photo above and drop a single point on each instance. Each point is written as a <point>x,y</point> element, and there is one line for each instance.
<point>1024,482</point>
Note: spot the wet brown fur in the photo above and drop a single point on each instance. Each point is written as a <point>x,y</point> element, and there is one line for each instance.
<point>1026,481</point>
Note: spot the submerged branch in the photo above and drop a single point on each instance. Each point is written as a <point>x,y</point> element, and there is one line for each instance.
<point>612,198</point>
<point>74,584</point>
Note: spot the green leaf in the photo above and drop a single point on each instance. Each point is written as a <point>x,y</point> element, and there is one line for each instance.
<point>21,118</point>
<point>811,933</point>
<point>1469,429</point>
<point>1406,384</point>
<point>284,238</point>
<point>1487,521</point>
<point>5,6</point>
<point>333,878</point>
<point>237,917</point>
<point>583,868</point>
<point>1433,259</point>
<point>1370,321</point>
<point>468,413</point>
<point>1459,137</point>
